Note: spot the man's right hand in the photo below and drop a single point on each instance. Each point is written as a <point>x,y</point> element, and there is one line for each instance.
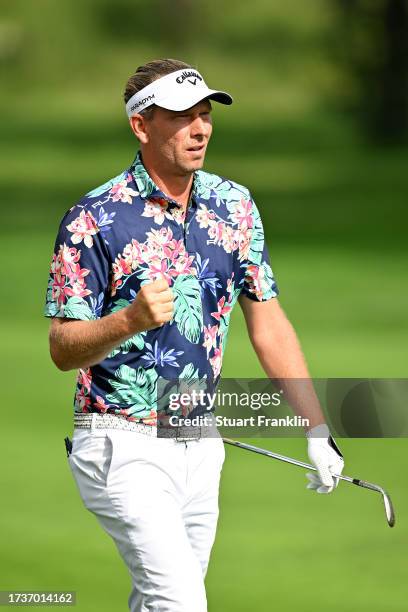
<point>152,307</point>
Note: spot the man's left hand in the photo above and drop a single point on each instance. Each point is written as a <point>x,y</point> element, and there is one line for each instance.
<point>326,457</point>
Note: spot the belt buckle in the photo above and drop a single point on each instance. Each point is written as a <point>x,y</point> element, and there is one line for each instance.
<point>187,438</point>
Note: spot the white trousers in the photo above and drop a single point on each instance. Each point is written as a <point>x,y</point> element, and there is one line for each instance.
<point>158,499</point>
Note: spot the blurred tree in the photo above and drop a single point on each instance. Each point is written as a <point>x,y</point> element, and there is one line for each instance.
<point>179,22</point>
<point>374,50</point>
<point>170,24</point>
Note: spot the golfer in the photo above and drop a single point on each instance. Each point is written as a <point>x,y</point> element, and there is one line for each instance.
<point>146,271</point>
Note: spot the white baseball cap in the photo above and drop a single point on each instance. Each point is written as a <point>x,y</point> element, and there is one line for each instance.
<point>176,91</point>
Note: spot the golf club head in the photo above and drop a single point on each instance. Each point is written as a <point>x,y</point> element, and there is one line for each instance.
<point>389,508</point>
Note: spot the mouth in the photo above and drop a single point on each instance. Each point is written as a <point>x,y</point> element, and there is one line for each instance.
<point>197,148</point>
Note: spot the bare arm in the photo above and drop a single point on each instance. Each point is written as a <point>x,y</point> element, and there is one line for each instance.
<point>279,352</point>
<point>79,344</point>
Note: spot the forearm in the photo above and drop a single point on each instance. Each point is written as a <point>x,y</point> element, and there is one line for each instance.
<point>282,359</point>
<point>80,344</point>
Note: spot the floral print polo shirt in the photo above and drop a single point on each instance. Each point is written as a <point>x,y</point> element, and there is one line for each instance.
<point>127,233</point>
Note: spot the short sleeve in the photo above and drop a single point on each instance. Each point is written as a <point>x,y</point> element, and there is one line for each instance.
<point>79,276</point>
<point>259,282</point>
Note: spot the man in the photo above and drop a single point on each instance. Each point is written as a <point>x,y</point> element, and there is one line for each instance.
<point>146,271</point>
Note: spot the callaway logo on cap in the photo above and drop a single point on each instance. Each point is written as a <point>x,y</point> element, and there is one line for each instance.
<point>191,75</point>
<point>176,91</point>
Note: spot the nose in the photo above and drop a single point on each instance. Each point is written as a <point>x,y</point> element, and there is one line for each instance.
<point>200,127</point>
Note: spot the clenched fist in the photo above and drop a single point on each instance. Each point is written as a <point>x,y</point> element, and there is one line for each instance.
<point>152,307</point>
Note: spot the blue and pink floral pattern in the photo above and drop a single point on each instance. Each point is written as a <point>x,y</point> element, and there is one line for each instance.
<point>127,233</point>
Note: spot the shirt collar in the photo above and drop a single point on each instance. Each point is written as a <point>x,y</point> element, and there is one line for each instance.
<point>148,188</point>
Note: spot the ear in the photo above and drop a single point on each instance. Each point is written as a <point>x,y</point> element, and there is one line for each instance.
<point>139,128</point>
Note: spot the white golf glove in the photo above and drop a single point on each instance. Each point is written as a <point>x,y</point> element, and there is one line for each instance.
<point>326,457</point>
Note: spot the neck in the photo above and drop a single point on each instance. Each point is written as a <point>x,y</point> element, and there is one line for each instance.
<point>177,187</point>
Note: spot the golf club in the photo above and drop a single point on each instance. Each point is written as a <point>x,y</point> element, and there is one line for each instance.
<point>389,510</point>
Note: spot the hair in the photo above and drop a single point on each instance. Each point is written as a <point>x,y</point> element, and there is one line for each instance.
<point>148,73</point>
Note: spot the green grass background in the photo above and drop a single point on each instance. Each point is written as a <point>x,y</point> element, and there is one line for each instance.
<point>334,210</point>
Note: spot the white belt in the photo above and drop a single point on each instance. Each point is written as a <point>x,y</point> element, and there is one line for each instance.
<point>112,421</point>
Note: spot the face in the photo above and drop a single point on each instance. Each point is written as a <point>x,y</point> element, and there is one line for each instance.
<point>175,141</point>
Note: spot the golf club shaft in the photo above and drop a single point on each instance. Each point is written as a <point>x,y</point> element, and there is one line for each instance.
<point>303,464</point>
<point>389,510</point>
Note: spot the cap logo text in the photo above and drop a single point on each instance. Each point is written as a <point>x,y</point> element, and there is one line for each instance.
<point>191,76</point>
<point>141,102</point>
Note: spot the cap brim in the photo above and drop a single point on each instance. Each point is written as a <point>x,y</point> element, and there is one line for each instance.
<point>182,102</point>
